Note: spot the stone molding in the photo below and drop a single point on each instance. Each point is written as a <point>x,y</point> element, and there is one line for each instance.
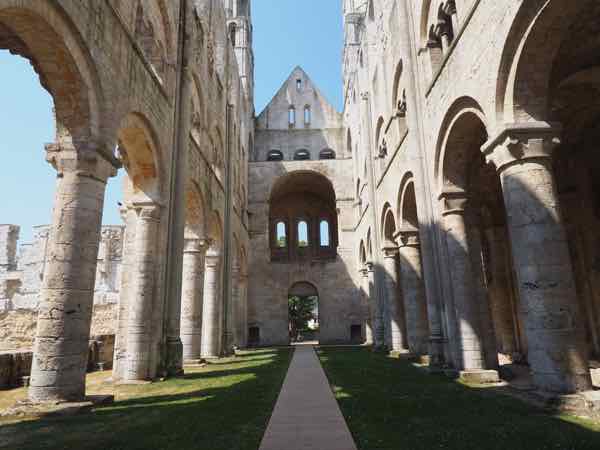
<point>521,142</point>
<point>85,161</point>
<point>455,201</point>
<point>408,238</point>
<point>195,246</point>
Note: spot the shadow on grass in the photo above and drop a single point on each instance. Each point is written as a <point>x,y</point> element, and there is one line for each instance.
<point>224,409</point>
<point>391,405</point>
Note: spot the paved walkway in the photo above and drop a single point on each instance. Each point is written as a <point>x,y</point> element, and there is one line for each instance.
<point>306,416</point>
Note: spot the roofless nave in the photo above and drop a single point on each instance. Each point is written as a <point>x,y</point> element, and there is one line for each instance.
<point>450,211</point>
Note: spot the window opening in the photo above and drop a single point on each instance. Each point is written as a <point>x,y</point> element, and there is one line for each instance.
<point>292,117</point>
<point>298,85</point>
<point>303,234</point>
<point>281,235</point>
<point>324,233</point>
<point>275,155</point>
<point>302,155</point>
<point>327,154</point>
<point>307,115</point>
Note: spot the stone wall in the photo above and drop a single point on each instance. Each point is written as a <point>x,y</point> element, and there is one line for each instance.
<point>22,269</point>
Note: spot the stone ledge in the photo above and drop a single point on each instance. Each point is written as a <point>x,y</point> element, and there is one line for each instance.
<point>479,376</point>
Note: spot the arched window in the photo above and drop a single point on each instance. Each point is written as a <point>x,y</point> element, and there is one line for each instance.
<point>303,239</point>
<point>302,155</point>
<point>275,155</point>
<point>324,237</point>
<point>292,117</point>
<point>327,154</point>
<point>307,116</point>
<point>281,235</point>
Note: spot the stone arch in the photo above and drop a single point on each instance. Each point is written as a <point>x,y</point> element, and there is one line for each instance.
<point>303,196</point>
<point>388,224</point>
<point>195,210</point>
<point>464,123</point>
<point>215,233</point>
<point>153,32</point>
<point>138,149</point>
<point>303,289</point>
<point>40,32</point>
<point>362,253</point>
<point>527,69</point>
<point>407,204</point>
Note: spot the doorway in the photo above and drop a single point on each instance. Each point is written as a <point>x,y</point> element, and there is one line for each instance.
<point>303,313</point>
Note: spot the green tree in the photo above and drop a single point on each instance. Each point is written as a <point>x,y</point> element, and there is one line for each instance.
<point>301,311</point>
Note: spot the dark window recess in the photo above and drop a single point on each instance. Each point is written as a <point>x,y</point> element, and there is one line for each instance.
<point>253,336</point>
<point>302,155</point>
<point>327,154</point>
<point>356,334</point>
<point>275,155</point>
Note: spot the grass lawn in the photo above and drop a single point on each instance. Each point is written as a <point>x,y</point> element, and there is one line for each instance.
<point>225,405</point>
<point>389,404</point>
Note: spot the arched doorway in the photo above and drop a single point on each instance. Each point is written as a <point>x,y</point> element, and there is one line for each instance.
<point>303,312</point>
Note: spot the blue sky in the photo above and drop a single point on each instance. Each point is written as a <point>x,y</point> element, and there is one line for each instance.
<point>287,33</point>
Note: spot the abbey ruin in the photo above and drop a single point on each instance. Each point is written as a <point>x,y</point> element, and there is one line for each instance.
<point>450,211</point>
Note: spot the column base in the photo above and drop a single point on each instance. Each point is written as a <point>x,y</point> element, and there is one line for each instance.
<point>403,354</point>
<point>174,357</point>
<point>27,407</point>
<point>194,362</point>
<point>479,376</point>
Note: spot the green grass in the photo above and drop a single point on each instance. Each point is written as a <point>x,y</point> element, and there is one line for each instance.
<point>389,404</point>
<point>225,405</point>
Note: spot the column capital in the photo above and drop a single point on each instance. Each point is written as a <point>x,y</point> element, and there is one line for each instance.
<point>212,259</point>
<point>84,160</point>
<point>522,141</point>
<point>408,237</point>
<point>389,249</point>
<point>454,201</point>
<point>148,210</point>
<point>195,245</point>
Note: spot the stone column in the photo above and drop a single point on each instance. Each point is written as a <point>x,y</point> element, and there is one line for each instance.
<point>211,308</point>
<point>554,325</point>
<point>487,333</point>
<point>242,325</point>
<point>234,310</point>
<point>395,317</point>
<point>470,350</point>
<point>129,217</point>
<point>192,290</point>
<point>364,278</point>
<point>500,291</point>
<point>413,292</point>
<point>140,330</point>
<point>63,329</point>
<point>374,308</point>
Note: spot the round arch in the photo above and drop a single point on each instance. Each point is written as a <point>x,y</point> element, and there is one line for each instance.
<point>195,211</point>
<point>39,31</point>
<point>465,120</point>
<point>526,73</point>
<point>407,204</point>
<point>139,151</point>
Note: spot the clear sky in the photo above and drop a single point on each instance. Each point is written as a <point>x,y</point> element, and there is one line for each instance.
<point>287,33</point>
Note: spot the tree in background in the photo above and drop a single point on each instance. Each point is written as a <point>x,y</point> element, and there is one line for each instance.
<point>301,312</point>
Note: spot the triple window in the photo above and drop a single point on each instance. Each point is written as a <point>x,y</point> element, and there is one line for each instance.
<point>303,239</point>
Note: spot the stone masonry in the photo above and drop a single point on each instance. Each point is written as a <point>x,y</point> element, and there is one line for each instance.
<point>451,211</point>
